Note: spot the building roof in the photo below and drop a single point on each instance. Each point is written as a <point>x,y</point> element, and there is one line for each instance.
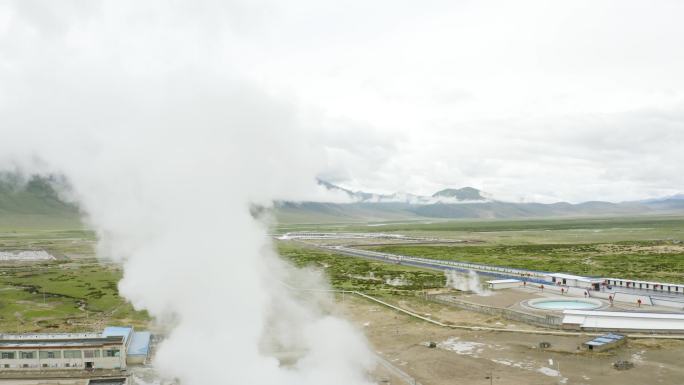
<point>49,336</point>
<point>624,314</point>
<point>575,277</point>
<point>140,344</point>
<point>123,331</point>
<point>112,335</point>
<point>495,281</point>
<point>61,343</point>
<point>605,339</point>
<point>624,320</point>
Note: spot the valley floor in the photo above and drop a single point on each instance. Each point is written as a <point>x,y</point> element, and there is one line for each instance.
<point>471,357</point>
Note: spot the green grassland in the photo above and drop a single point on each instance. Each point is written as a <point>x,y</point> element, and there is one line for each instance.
<point>61,243</point>
<point>644,247</point>
<point>524,231</point>
<point>349,273</point>
<point>75,292</point>
<point>63,295</point>
<point>656,260</point>
<point>78,292</point>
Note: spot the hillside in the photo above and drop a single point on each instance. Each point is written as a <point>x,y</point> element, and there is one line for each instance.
<point>34,204</point>
<point>312,212</point>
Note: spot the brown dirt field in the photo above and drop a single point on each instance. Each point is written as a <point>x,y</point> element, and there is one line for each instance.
<point>468,357</point>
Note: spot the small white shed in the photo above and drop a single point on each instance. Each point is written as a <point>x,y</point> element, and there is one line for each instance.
<point>574,280</point>
<point>503,283</point>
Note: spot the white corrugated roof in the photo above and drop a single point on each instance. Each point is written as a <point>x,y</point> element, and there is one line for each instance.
<point>504,281</point>
<point>620,314</point>
<point>49,336</point>
<point>573,319</point>
<point>624,320</point>
<point>575,277</point>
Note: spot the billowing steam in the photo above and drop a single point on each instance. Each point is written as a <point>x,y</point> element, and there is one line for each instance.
<point>165,149</point>
<point>470,282</point>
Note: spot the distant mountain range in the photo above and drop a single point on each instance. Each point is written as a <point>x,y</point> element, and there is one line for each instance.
<point>35,203</point>
<point>451,203</point>
<point>449,195</point>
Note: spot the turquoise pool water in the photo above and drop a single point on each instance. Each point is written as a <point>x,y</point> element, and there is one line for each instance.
<point>570,304</point>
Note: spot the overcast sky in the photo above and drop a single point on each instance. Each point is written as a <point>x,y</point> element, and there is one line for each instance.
<point>527,100</point>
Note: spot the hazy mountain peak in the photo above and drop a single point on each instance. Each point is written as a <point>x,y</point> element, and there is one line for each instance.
<point>460,194</point>
<point>449,195</point>
<point>676,197</point>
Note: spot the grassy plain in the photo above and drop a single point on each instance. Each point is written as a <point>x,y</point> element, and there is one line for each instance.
<point>63,243</point>
<point>645,247</point>
<point>63,295</point>
<point>349,273</point>
<point>658,261</point>
<point>75,292</point>
<point>78,292</point>
<point>524,231</point>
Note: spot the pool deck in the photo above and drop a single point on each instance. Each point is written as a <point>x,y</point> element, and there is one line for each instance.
<point>514,297</point>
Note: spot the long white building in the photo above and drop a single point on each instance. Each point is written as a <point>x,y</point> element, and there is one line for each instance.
<point>623,321</point>
<point>73,351</point>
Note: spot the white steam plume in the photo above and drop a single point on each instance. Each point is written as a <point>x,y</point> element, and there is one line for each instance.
<point>165,149</point>
<point>470,282</point>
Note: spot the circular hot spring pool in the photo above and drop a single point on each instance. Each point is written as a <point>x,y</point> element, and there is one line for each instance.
<point>564,304</point>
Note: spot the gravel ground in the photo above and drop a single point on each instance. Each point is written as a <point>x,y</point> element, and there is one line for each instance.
<point>472,357</point>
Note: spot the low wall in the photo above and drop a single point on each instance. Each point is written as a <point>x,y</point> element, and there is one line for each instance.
<point>549,321</point>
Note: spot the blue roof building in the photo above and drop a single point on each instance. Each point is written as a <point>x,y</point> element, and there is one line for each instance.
<point>137,343</point>
<point>605,342</point>
<point>139,347</point>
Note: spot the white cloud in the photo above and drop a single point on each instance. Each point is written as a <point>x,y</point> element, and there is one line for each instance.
<point>571,101</point>
<point>506,96</point>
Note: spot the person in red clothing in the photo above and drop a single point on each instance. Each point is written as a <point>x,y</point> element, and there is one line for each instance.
<point>639,302</point>
<point>541,287</point>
